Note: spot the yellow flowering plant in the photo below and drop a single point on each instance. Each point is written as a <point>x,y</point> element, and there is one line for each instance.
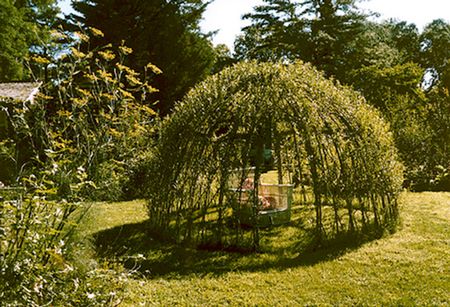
<point>74,141</point>
<point>98,104</point>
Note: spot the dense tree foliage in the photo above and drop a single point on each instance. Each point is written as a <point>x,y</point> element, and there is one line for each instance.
<point>13,42</point>
<point>320,32</point>
<point>435,45</point>
<point>224,58</point>
<point>23,29</point>
<point>165,33</point>
<point>402,72</point>
<point>332,35</point>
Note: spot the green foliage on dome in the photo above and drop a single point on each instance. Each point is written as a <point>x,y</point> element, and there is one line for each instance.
<point>323,137</point>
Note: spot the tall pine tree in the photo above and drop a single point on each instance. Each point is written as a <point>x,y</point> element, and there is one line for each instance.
<point>322,32</point>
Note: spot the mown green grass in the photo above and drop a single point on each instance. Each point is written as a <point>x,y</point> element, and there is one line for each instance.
<point>410,267</point>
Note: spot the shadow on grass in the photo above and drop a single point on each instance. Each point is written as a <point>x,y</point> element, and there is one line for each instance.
<point>132,246</point>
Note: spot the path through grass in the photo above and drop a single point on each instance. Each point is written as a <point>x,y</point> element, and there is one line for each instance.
<point>411,267</point>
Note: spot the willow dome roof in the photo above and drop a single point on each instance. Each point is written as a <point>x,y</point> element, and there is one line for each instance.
<point>333,121</point>
<point>251,88</point>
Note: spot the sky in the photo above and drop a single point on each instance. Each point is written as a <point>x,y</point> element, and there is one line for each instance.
<point>224,16</point>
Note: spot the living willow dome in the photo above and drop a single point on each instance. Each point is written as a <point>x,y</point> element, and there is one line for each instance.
<point>254,122</point>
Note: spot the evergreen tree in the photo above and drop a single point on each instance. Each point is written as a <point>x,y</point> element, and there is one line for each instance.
<point>334,27</point>
<point>165,33</point>
<point>268,37</point>
<point>322,32</point>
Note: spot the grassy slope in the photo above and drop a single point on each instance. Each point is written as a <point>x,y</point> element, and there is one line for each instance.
<point>411,267</point>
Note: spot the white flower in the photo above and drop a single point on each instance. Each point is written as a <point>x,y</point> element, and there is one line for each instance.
<point>55,168</point>
<point>37,287</point>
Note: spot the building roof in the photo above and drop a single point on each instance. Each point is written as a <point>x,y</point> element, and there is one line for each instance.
<point>23,91</point>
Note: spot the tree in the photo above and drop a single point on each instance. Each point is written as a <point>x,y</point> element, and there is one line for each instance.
<point>13,41</point>
<point>382,86</point>
<point>322,32</point>
<point>224,58</point>
<point>334,27</point>
<point>433,168</point>
<point>387,62</point>
<point>333,35</point>
<point>397,93</point>
<point>419,116</point>
<point>48,43</point>
<point>267,38</point>
<point>405,38</point>
<point>435,47</point>
<point>165,33</point>
<point>23,28</point>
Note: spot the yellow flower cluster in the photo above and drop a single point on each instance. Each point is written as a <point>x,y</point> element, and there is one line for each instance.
<point>153,69</point>
<point>83,37</point>
<point>106,76</point>
<point>84,92</point>
<point>96,32</point>
<point>90,77</point>
<point>133,80</point>
<point>150,88</point>
<point>148,110</point>
<point>107,55</point>
<point>126,94</point>
<point>77,53</point>
<point>107,96</point>
<point>127,69</point>
<point>125,50</point>
<point>56,35</point>
<point>40,60</point>
<point>79,102</point>
<point>43,96</point>
<point>64,113</point>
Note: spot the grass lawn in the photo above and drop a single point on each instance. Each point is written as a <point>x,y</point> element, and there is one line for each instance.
<point>410,267</point>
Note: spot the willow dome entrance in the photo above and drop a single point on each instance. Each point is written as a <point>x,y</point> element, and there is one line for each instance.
<point>285,122</point>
